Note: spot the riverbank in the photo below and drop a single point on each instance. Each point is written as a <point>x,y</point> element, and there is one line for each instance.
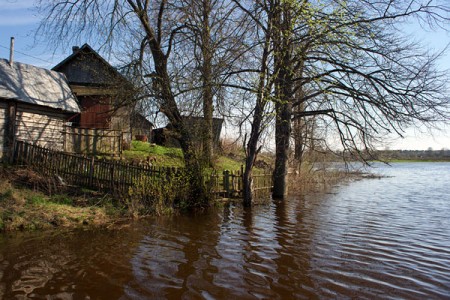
<point>29,201</point>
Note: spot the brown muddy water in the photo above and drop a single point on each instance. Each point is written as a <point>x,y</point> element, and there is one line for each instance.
<point>383,238</point>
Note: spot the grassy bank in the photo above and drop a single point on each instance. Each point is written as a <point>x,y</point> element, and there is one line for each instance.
<point>160,156</point>
<point>29,202</point>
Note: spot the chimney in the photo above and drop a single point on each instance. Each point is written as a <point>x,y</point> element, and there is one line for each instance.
<point>11,52</point>
<point>75,49</point>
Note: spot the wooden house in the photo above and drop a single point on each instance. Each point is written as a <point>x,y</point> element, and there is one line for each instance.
<point>35,104</point>
<point>105,96</point>
<point>106,100</point>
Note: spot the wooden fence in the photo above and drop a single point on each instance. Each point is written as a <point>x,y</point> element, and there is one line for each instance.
<point>93,141</point>
<point>117,176</point>
<point>229,184</point>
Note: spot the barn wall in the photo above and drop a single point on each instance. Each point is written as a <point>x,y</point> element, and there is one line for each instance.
<point>120,120</point>
<point>93,141</point>
<point>3,114</point>
<point>40,126</point>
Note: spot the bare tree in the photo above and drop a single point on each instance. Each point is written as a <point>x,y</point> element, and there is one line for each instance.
<point>360,72</point>
<point>347,62</point>
<point>373,81</point>
<point>262,14</point>
<point>212,47</point>
<point>154,26</point>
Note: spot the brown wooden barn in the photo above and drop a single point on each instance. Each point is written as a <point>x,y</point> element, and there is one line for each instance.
<point>108,118</point>
<point>105,96</point>
<point>35,104</point>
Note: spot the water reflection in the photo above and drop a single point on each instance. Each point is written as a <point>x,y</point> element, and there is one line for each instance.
<point>69,265</point>
<point>175,258</point>
<point>373,239</point>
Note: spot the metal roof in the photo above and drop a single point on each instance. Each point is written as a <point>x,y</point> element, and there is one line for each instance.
<point>34,85</point>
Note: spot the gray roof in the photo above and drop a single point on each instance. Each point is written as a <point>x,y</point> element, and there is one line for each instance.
<point>30,84</point>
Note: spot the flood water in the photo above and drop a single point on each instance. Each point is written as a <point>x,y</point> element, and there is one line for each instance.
<point>385,238</point>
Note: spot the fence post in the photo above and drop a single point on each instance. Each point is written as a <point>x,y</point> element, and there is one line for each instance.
<point>233,182</point>
<point>226,182</point>
<point>26,153</point>
<point>241,181</point>
<point>120,146</point>
<point>111,179</point>
<point>17,145</point>
<point>212,183</point>
<point>91,171</point>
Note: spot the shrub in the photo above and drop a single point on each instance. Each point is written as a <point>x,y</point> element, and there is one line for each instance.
<point>174,189</point>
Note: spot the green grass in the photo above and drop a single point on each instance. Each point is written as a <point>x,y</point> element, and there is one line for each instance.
<point>36,199</point>
<point>165,156</point>
<point>226,163</point>
<point>24,209</point>
<point>172,157</point>
<point>40,199</point>
<point>61,199</point>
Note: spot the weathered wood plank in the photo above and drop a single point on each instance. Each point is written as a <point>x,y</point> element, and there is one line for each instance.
<point>3,113</point>
<point>39,126</point>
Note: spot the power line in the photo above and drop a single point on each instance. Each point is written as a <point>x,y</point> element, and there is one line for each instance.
<point>7,48</point>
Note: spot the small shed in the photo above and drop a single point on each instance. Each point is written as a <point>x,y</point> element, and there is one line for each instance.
<point>141,127</point>
<point>165,136</point>
<point>35,104</point>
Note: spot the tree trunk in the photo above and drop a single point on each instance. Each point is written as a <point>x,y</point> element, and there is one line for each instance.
<point>252,153</point>
<point>258,115</point>
<point>207,138</point>
<point>247,182</point>
<point>282,136</point>
<point>169,108</point>
<point>284,98</point>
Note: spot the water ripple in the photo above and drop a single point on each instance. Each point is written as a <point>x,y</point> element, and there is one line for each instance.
<point>372,239</point>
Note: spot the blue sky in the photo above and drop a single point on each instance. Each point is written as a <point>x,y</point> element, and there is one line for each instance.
<point>18,19</point>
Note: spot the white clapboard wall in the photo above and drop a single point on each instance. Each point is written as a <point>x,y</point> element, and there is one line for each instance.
<point>40,126</point>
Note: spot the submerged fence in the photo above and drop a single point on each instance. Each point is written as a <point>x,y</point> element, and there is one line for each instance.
<point>229,184</point>
<point>117,176</point>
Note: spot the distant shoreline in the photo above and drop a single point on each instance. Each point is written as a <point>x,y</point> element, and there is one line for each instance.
<point>416,160</point>
<point>414,155</point>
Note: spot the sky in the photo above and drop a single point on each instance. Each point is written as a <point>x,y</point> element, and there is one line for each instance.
<point>18,19</point>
